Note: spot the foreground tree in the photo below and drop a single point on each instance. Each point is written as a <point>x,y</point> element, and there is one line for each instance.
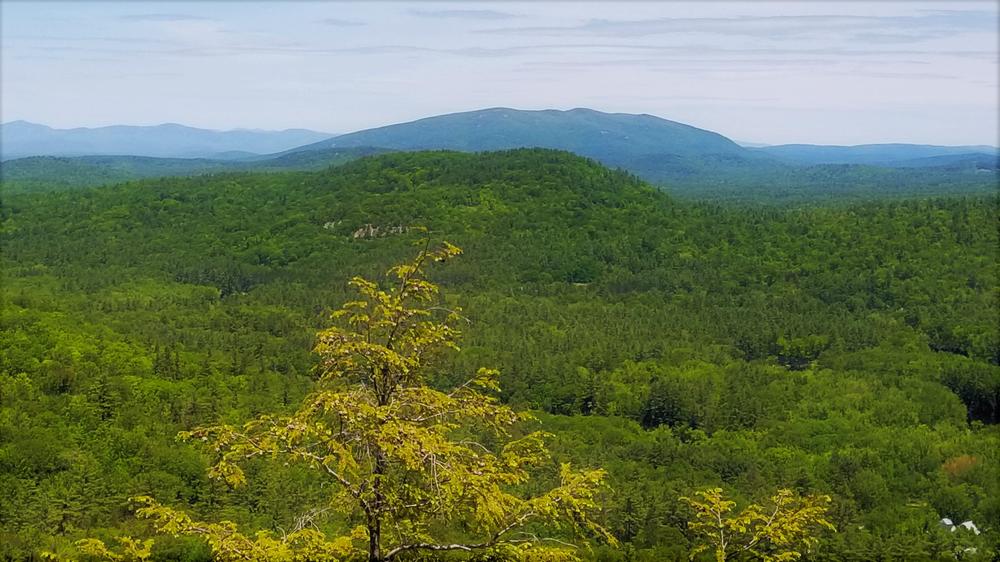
<point>778,532</point>
<point>404,458</point>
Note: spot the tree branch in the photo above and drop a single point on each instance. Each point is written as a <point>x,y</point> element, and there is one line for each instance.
<point>493,541</point>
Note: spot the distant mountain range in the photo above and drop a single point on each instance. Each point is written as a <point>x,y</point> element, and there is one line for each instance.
<point>654,148</point>
<point>679,156</point>
<point>583,131</point>
<point>616,139</point>
<point>21,138</point>
<point>906,155</point>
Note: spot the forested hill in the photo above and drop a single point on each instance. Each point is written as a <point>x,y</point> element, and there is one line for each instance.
<point>657,149</point>
<point>693,162</point>
<point>55,173</point>
<point>849,350</point>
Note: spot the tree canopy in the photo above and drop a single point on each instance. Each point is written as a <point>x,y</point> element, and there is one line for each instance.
<point>848,350</point>
<point>407,464</point>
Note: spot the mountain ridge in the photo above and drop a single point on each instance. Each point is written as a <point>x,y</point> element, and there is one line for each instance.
<point>676,156</point>
<point>884,154</point>
<point>657,149</point>
<point>507,128</point>
<point>22,138</point>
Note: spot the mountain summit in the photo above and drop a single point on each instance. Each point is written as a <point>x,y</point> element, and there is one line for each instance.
<point>618,139</point>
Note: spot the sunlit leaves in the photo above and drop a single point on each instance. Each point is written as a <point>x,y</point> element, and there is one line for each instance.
<point>130,549</point>
<point>783,530</point>
<point>398,453</point>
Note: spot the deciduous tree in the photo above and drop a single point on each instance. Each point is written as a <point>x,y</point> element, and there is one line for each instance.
<point>409,464</point>
<point>775,533</point>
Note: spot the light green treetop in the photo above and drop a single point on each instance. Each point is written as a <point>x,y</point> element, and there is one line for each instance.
<point>404,458</point>
<point>776,533</point>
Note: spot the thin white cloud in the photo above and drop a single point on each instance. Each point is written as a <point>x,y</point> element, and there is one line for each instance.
<point>465,14</point>
<point>927,25</point>
<point>164,17</point>
<point>337,22</point>
<point>851,72</point>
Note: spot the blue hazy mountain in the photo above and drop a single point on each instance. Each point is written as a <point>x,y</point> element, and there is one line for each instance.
<point>21,138</point>
<point>681,158</point>
<point>906,155</point>
<point>612,138</point>
<point>659,150</point>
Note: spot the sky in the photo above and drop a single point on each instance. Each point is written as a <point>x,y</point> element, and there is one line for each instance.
<point>769,72</point>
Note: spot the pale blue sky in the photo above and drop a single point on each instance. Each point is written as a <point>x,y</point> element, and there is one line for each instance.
<point>834,73</point>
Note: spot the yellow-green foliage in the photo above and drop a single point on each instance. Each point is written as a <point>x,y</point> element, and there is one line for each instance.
<point>404,458</point>
<point>775,533</point>
<point>132,550</point>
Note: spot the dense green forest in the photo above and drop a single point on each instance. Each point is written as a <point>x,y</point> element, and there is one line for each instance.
<point>733,180</point>
<point>849,350</point>
<point>55,173</point>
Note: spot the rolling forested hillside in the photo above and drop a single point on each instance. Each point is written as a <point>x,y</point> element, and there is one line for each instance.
<point>55,173</point>
<point>683,160</point>
<point>850,350</point>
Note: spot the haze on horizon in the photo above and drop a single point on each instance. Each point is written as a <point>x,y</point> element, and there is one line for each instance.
<point>780,72</point>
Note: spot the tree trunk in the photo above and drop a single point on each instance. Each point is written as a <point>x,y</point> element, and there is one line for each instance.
<point>382,391</point>
<point>375,515</point>
<point>374,540</point>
